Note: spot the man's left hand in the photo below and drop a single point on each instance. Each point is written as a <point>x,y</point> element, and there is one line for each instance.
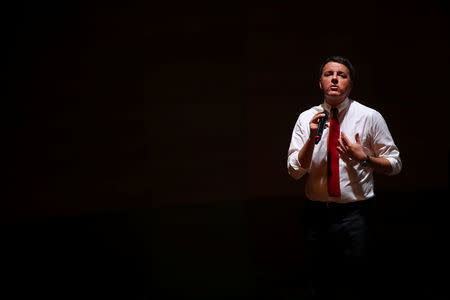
<point>352,150</point>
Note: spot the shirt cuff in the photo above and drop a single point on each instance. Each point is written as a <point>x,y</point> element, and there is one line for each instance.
<point>295,168</point>
<point>395,164</point>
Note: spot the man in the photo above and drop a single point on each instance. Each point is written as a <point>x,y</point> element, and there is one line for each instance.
<point>339,167</point>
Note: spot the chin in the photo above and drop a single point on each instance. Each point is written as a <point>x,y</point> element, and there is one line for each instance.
<point>335,94</point>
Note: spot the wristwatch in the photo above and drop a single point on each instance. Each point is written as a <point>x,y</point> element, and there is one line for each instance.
<point>366,161</point>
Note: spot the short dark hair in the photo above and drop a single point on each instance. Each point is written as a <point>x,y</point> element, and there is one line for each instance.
<point>341,60</point>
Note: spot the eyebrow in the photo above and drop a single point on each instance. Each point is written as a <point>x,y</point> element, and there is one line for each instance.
<point>339,72</point>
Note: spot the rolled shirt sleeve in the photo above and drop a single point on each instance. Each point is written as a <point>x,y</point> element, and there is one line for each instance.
<point>383,144</point>
<point>299,137</point>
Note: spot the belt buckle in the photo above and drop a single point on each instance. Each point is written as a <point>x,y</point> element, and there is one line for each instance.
<point>331,204</point>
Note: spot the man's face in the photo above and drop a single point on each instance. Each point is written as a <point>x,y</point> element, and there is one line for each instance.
<point>335,82</point>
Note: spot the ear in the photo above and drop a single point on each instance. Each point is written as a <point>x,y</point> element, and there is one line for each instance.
<point>320,85</point>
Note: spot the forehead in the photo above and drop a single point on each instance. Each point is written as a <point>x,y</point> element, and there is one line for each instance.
<point>335,66</point>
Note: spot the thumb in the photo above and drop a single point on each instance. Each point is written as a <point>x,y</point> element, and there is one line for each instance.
<point>357,138</point>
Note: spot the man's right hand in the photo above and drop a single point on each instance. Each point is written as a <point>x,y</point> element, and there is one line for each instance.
<point>306,152</point>
<point>314,123</point>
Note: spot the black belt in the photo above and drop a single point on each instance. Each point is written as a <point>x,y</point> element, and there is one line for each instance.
<point>336,205</point>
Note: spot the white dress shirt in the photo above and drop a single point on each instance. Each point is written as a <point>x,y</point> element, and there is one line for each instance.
<point>356,181</point>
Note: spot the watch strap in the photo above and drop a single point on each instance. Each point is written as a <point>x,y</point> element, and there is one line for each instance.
<point>366,161</point>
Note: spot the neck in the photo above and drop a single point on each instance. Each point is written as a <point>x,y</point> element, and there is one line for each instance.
<point>335,101</point>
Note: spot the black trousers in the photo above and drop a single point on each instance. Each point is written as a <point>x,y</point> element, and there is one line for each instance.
<point>340,245</point>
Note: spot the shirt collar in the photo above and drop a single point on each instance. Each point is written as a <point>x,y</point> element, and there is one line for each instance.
<point>341,106</point>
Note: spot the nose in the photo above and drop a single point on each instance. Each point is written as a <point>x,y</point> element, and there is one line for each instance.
<point>334,79</point>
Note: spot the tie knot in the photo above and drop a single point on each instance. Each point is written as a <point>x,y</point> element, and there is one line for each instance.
<point>334,113</point>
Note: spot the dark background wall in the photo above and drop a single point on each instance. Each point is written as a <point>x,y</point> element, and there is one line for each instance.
<point>145,143</point>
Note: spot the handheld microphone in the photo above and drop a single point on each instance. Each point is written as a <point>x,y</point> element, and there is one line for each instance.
<point>322,122</point>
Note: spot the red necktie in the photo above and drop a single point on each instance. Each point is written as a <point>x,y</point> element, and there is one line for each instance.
<point>333,155</point>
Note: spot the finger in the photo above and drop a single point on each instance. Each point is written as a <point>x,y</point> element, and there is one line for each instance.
<point>341,151</point>
<point>341,145</point>
<point>317,116</point>
<point>345,139</point>
<point>357,138</point>
<point>321,114</point>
